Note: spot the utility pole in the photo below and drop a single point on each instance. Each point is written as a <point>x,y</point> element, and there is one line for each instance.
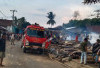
<point>13,16</point>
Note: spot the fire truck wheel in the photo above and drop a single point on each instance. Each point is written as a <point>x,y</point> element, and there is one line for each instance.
<point>24,50</point>
<point>40,51</point>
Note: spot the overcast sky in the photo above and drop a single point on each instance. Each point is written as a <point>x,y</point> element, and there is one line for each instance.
<point>36,10</point>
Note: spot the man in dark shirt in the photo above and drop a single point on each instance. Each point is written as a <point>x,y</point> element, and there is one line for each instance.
<point>2,48</point>
<point>84,51</point>
<point>95,49</point>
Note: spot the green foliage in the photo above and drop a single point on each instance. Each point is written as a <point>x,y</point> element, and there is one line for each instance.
<point>83,23</point>
<point>52,22</point>
<point>71,23</point>
<point>91,1</point>
<point>22,23</point>
<point>51,17</point>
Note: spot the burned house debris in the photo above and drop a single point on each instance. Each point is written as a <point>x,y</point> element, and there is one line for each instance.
<point>68,49</point>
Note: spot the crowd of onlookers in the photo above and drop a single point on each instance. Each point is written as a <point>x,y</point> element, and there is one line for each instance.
<point>12,37</point>
<point>15,36</point>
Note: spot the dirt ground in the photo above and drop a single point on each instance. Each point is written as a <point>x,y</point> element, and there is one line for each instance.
<point>15,58</point>
<point>76,64</point>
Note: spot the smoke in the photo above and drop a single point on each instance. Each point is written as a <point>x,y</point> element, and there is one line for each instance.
<point>71,33</point>
<point>93,37</point>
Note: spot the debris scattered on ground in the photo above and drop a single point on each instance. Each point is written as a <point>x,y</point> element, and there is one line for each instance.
<point>67,51</point>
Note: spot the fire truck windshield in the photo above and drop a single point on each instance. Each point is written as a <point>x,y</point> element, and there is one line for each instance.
<point>35,33</point>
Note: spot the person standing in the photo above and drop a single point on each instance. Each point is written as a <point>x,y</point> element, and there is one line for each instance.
<point>76,39</point>
<point>2,48</point>
<point>12,39</point>
<point>95,48</point>
<point>83,48</point>
<point>98,53</point>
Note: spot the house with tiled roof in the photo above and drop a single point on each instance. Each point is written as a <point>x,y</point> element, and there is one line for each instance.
<point>6,24</point>
<point>95,28</point>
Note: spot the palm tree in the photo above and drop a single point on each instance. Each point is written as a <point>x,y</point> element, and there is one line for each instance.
<point>51,17</point>
<point>91,1</point>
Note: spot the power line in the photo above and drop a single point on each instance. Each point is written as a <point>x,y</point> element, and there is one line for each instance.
<point>3,14</point>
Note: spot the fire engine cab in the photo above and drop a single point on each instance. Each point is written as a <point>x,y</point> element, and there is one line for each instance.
<point>35,38</point>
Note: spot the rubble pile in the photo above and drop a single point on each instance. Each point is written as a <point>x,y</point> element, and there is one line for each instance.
<point>67,51</point>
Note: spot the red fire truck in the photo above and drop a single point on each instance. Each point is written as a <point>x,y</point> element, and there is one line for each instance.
<point>35,38</point>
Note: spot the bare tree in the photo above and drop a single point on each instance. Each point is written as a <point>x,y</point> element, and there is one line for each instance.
<point>96,14</point>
